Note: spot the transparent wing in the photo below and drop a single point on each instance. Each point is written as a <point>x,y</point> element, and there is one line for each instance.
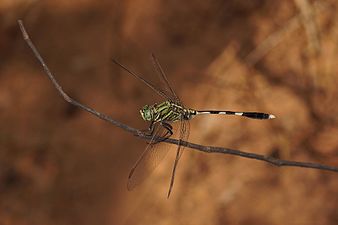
<point>150,85</point>
<point>167,89</point>
<point>184,135</point>
<point>152,156</point>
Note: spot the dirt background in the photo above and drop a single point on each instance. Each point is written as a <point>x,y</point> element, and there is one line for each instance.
<point>60,165</point>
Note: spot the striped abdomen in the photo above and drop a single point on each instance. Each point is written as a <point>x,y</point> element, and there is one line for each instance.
<point>251,115</point>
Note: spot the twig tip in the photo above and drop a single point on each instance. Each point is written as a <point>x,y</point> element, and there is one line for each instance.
<point>23,30</point>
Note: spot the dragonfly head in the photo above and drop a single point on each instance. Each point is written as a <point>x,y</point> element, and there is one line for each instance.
<point>146,113</point>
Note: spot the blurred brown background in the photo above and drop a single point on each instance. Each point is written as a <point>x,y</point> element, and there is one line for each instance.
<point>60,165</point>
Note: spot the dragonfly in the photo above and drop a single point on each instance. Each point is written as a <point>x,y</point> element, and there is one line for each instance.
<point>161,117</point>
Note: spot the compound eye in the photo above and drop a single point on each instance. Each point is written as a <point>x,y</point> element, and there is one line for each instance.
<point>148,114</point>
<point>146,107</point>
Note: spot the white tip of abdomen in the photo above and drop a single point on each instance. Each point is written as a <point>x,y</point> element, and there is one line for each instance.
<point>272,116</point>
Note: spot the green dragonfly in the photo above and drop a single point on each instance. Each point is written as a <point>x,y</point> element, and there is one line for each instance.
<point>161,116</point>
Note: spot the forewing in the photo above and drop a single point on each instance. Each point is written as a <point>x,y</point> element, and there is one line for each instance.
<point>166,87</point>
<point>150,85</point>
<point>154,153</point>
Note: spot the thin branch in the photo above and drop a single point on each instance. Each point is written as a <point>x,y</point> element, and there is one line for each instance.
<point>140,134</point>
<point>268,159</point>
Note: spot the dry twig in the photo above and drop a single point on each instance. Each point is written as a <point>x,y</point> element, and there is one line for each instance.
<point>140,134</point>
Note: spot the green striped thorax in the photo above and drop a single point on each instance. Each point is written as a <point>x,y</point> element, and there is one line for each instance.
<point>166,111</point>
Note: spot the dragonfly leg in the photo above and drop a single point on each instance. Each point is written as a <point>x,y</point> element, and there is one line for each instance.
<point>169,126</point>
<point>169,129</point>
<point>169,132</point>
<point>150,131</point>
